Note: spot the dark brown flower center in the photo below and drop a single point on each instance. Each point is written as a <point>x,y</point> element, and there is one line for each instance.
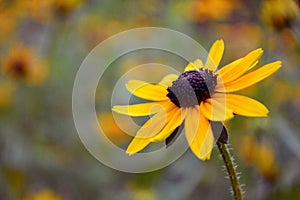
<point>18,69</point>
<point>192,87</point>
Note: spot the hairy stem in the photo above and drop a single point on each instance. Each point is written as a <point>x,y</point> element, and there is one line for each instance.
<point>227,158</point>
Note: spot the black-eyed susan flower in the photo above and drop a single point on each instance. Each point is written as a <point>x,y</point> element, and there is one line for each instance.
<point>22,64</point>
<point>279,14</point>
<point>199,95</point>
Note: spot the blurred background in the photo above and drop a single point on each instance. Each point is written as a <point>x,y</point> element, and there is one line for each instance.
<point>42,44</point>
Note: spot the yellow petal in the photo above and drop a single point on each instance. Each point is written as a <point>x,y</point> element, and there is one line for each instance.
<point>148,130</point>
<point>168,80</point>
<point>207,144</point>
<point>156,123</point>
<point>229,67</point>
<point>215,110</point>
<point>252,77</point>
<point>196,65</point>
<point>174,122</point>
<point>199,134</point>
<point>236,69</point>
<point>215,55</point>
<point>136,145</point>
<point>245,106</point>
<point>143,109</point>
<point>191,123</point>
<point>147,91</point>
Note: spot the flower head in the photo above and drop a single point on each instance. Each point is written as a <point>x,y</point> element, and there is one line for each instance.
<point>22,64</point>
<point>196,97</point>
<point>279,14</point>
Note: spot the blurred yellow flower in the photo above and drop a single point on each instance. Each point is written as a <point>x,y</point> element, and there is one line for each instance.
<point>65,7</point>
<point>22,64</point>
<point>45,10</point>
<point>265,161</point>
<point>37,10</point>
<point>144,193</point>
<point>141,190</point>
<point>111,129</point>
<point>6,93</point>
<point>196,97</point>
<point>279,14</point>
<point>206,10</point>
<point>260,155</point>
<point>44,194</point>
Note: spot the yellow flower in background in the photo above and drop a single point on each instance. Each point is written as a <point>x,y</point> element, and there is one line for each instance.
<point>279,14</point>
<point>22,64</point>
<point>144,193</point>
<point>65,7</point>
<point>45,10</point>
<point>6,93</point>
<point>205,10</point>
<point>111,129</point>
<point>259,155</point>
<point>265,161</point>
<point>45,194</point>
<point>196,97</point>
<point>39,11</point>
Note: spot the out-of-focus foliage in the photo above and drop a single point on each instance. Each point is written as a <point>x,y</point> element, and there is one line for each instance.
<point>42,44</point>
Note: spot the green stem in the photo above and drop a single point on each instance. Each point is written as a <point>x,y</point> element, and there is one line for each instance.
<point>235,184</point>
